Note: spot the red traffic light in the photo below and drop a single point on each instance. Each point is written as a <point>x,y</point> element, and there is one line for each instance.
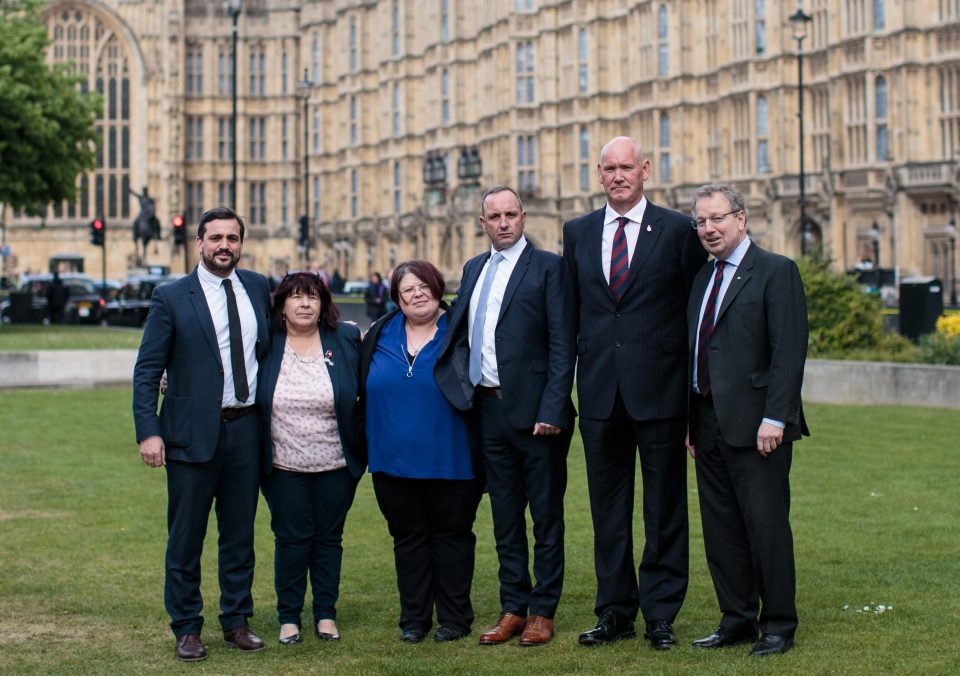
<point>178,221</point>
<point>97,224</point>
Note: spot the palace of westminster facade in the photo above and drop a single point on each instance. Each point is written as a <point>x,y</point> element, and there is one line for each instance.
<point>367,90</point>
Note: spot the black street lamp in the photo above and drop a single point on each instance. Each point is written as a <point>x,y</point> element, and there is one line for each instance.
<point>952,238</point>
<point>800,22</point>
<point>233,8</point>
<point>435,170</point>
<point>469,166</point>
<point>875,236</point>
<point>304,86</point>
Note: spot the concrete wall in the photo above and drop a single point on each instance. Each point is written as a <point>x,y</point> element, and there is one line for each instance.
<point>66,368</point>
<point>828,382</point>
<point>860,382</point>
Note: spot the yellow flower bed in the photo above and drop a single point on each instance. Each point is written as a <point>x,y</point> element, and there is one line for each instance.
<point>949,325</point>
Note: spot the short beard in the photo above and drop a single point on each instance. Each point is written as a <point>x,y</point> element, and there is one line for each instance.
<point>213,265</point>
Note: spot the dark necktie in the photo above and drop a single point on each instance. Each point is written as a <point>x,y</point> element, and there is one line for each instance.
<point>706,330</point>
<point>237,361</point>
<point>619,261</point>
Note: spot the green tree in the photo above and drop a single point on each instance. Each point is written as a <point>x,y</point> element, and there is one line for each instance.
<point>47,126</point>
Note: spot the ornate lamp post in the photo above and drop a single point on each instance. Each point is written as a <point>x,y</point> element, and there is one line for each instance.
<point>952,238</point>
<point>233,8</point>
<point>800,22</point>
<point>304,86</point>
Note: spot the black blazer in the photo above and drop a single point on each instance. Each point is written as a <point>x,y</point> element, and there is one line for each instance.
<point>535,341</point>
<point>344,344</point>
<point>758,347</point>
<point>637,345</point>
<point>179,337</point>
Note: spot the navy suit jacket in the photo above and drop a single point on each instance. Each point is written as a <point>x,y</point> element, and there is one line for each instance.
<point>758,347</point>
<point>344,346</point>
<point>179,338</point>
<point>639,344</point>
<point>535,341</point>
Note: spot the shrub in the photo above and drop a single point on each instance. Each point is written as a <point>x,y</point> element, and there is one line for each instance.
<point>942,346</point>
<point>842,317</point>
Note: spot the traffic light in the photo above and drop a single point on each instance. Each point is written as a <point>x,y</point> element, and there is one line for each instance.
<point>304,231</point>
<point>98,231</point>
<point>179,231</point>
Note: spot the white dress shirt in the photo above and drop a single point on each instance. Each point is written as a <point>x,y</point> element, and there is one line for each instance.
<point>488,358</point>
<point>631,230</point>
<point>217,302</point>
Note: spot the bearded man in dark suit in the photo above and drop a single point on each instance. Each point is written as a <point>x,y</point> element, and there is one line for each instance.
<point>748,338</point>
<point>632,264</point>
<point>208,331</point>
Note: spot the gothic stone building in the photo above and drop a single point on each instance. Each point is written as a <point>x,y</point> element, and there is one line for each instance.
<point>362,90</point>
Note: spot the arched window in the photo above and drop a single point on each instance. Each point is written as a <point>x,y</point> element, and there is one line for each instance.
<point>76,36</point>
<point>880,113</point>
<point>763,160</point>
<point>315,59</point>
<point>663,64</point>
<point>664,148</point>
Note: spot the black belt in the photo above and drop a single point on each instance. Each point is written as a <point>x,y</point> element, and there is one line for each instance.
<point>489,391</point>
<point>231,414</point>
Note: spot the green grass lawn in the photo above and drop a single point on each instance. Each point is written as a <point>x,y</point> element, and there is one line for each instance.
<point>82,530</point>
<point>67,337</point>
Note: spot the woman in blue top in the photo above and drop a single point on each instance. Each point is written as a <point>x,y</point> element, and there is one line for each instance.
<point>419,453</point>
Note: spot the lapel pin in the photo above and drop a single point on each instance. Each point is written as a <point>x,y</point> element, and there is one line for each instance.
<point>649,229</point>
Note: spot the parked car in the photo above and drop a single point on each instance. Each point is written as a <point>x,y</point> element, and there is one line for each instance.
<point>356,287</point>
<point>132,303</point>
<point>29,302</point>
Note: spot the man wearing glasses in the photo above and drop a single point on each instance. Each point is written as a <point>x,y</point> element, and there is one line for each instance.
<point>748,339</point>
<point>632,265</point>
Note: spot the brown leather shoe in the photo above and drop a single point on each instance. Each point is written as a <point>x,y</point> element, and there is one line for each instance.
<point>508,626</point>
<point>190,648</point>
<point>539,631</point>
<point>243,638</point>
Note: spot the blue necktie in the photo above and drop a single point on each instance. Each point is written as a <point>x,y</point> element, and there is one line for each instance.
<point>476,343</point>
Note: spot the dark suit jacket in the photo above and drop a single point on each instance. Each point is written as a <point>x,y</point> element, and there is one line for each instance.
<point>535,341</point>
<point>179,337</point>
<point>344,344</point>
<point>637,345</point>
<point>758,347</point>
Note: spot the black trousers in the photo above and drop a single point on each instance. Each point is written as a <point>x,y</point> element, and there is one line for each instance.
<point>745,507</point>
<point>523,470</point>
<point>431,521</point>
<point>230,483</point>
<point>307,513</point>
<point>610,446</point>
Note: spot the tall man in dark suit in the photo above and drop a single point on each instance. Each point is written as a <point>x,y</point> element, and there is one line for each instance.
<point>208,331</point>
<point>510,354</point>
<point>632,264</point>
<point>748,339</point>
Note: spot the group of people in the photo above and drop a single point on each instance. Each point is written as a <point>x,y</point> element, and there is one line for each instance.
<point>441,403</point>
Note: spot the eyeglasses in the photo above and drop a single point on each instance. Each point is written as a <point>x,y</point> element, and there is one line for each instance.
<point>715,220</point>
<point>408,293</point>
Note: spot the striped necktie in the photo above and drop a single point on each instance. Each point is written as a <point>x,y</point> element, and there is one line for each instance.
<point>706,330</point>
<point>619,261</point>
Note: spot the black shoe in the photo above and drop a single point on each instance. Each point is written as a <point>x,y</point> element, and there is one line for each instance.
<point>722,639</point>
<point>771,644</point>
<point>612,626</point>
<point>412,635</point>
<point>660,635</point>
<point>444,634</point>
